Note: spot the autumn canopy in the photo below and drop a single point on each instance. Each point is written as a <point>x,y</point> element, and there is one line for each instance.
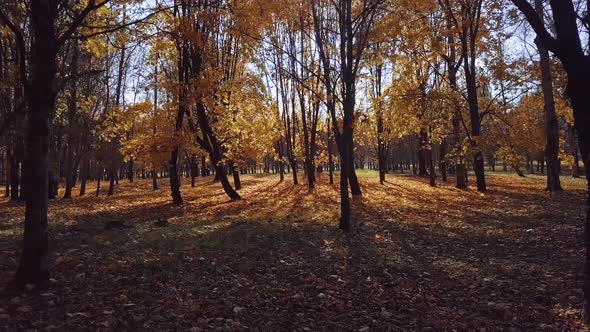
<point>389,159</point>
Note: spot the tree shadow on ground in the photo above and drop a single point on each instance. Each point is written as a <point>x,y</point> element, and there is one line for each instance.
<point>276,261</point>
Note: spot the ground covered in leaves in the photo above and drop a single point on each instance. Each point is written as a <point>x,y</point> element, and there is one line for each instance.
<point>418,259</point>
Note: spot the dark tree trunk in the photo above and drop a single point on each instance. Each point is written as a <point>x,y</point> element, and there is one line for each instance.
<point>154,180</point>
<point>175,178</point>
<point>131,170</point>
<point>34,265</point>
<point>431,168</point>
<point>72,130</point>
<point>203,167</point>
<point>219,169</point>
<point>210,144</point>
<point>7,175</point>
<point>14,177</point>
<point>194,170</point>
<point>442,164</point>
<point>294,168</point>
<point>422,152</point>
<point>112,174</point>
<point>98,178</point>
<point>469,68</point>
<point>84,170</point>
<point>518,171</point>
<point>236,175</point>
<point>344,177</point>
<point>330,157</point>
<point>355,187</point>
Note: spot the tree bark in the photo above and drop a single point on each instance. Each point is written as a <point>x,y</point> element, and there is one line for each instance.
<point>154,180</point>
<point>422,152</point>
<point>33,266</point>
<point>72,130</point>
<point>84,170</point>
<point>236,176</point>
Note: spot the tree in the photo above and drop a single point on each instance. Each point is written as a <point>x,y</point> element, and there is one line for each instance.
<point>566,44</point>
<point>335,22</point>
<point>39,82</point>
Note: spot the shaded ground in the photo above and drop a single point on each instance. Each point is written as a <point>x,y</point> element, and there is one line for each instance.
<point>419,258</point>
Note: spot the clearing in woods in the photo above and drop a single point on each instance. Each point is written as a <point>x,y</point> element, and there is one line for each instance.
<point>419,258</point>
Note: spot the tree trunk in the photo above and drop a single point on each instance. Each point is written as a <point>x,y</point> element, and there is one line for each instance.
<point>14,177</point>
<point>236,175</point>
<point>34,265</point>
<point>175,178</point>
<point>219,169</point>
<point>72,130</point>
<point>442,164</point>
<point>154,180</point>
<point>84,170</point>
<point>330,157</point>
<point>469,68</point>
<point>355,187</point>
<point>112,174</point>
<point>518,171</point>
<point>98,178</point>
<point>422,152</point>
<point>131,170</point>
<point>344,176</point>
<point>194,170</point>
<point>431,168</point>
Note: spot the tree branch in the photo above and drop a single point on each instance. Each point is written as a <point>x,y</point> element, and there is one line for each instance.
<point>538,25</point>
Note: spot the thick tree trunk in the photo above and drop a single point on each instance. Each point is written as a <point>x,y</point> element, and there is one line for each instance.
<point>442,164</point>
<point>84,170</point>
<point>469,68</point>
<point>154,180</point>
<point>219,169</point>
<point>194,170</point>
<point>578,81</point>
<point>518,171</point>
<point>236,175</point>
<point>174,178</point>
<point>382,167</point>
<point>98,178</point>
<point>431,168</point>
<point>34,264</point>
<point>7,176</point>
<point>355,187</point>
<point>131,170</point>
<point>14,177</point>
<point>422,152</point>
<point>479,169</point>
<point>112,175</point>
<point>72,130</point>
<point>330,156</point>
<point>344,177</point>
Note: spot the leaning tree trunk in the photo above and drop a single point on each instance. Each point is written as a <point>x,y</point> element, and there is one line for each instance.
<point>355,187</point>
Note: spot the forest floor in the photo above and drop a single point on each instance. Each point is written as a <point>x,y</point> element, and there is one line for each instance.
<point>418,259</point>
